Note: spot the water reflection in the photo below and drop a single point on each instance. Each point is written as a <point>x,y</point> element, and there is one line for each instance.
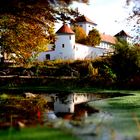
<point>71,106</point>
<point>72,112</point>
<point>66,103</point>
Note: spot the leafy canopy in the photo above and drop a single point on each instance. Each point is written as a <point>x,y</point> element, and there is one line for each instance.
<point>93,38</point>
<point>126,60</point>
<point>27,26</point>
<point>80,34</point>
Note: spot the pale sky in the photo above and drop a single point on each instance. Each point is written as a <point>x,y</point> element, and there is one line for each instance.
<point>105,13</point>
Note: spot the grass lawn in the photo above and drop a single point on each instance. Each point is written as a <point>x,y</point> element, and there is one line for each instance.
<point>36,133</point>
<point>52,89</point>
<point>124,113</point>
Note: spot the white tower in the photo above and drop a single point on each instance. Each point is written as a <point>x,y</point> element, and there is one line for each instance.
<point>85,23</point>
<point>65,43</point>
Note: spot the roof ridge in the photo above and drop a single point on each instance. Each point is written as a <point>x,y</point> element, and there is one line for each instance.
<point>84,18</point>
<point>65,29</point>
<point>121,32</point>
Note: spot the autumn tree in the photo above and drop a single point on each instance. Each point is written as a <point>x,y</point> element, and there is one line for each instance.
<point>80,34</point>
<point>26,26</point>
<point>93,38</point>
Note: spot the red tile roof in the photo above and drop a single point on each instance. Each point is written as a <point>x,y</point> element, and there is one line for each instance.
<point>84,19</point>
<point>65,29</point>
<point>108,38</point>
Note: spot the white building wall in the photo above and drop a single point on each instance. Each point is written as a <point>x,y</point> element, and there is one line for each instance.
<point>129,39</point>
<point>87,26</point>
<point>42,55</point>
<point>64,46</point>
<point>77,51</point>
<point>85,52</point>
<point>105,45</point>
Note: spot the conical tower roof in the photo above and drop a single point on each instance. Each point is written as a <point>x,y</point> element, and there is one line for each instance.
<point>65,29</point>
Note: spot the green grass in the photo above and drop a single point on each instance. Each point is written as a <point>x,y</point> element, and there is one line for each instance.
<point>36,133</point>
<point>57,88</point>
<point>123,111</point>
<point>50,89</point>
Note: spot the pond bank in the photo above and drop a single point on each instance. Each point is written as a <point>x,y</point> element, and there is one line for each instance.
<point>60,82</point>
<point>90,120</point>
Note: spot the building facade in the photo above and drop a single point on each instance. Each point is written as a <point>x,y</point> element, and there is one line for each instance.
<point>66,48</point>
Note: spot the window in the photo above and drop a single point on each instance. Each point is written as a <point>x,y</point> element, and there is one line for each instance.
<point>63,45</point>
<point>47,56</point>
<point>53,47</point>
<point>74,47</point>
<point>70,37</point>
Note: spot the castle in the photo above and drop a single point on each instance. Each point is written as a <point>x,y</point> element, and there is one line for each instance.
<point>66,48</point>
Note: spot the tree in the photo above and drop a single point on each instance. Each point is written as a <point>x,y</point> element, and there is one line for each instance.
<point>93,38</point>
<point>80,34</point>
<point>27,25</point>
<point>134,18</point>
<point>125,61</point>
<point>25,40</point>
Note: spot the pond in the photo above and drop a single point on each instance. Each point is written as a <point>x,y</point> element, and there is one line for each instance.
<point>99,116</point>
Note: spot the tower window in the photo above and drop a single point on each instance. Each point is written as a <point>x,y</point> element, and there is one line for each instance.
<point>70,37</point>
<point>63,45</point>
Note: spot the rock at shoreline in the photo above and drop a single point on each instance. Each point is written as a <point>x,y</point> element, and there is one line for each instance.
<point>29,95</point>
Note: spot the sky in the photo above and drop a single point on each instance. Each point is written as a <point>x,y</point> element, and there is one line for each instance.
<point>110,15</point>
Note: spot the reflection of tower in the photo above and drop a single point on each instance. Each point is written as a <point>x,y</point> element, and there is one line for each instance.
<point>64,104</point>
